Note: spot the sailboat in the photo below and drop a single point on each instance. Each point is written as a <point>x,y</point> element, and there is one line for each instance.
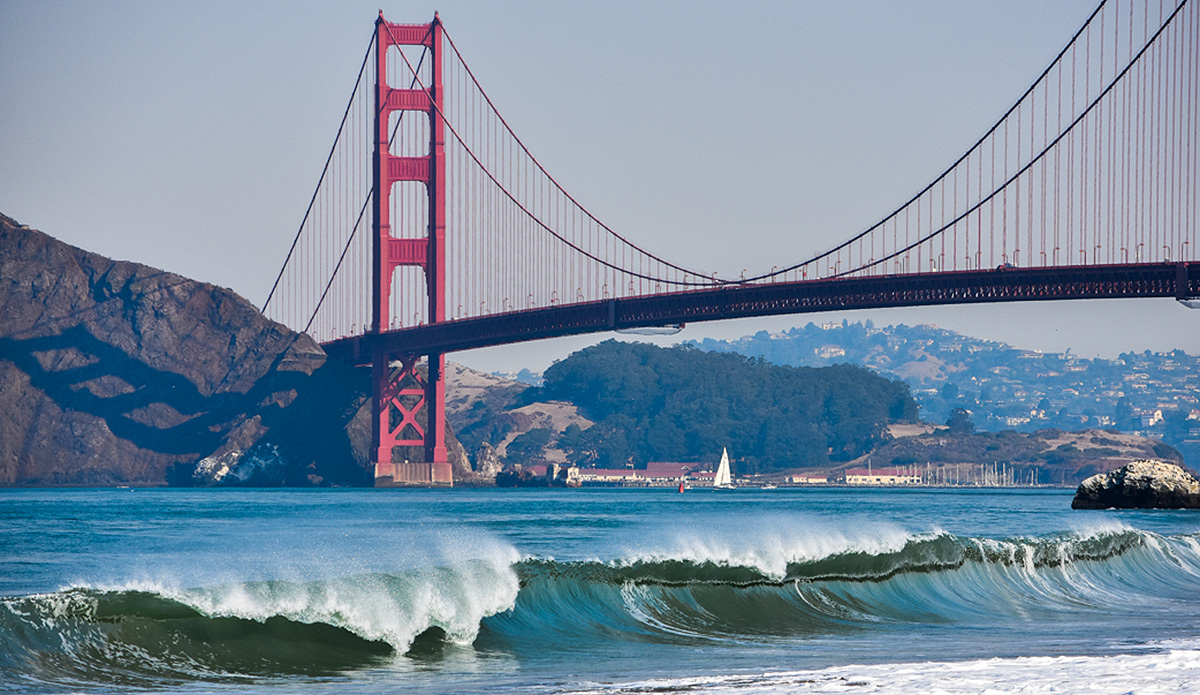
<point>723,479</point>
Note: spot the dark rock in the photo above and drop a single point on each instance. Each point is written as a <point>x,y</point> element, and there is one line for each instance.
<point>520,477</point>
<point>1146,484</point>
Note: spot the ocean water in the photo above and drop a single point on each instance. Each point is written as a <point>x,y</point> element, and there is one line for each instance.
<point>594,591</point>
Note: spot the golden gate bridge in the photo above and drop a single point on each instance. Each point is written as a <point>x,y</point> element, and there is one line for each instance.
<point>434,228</point>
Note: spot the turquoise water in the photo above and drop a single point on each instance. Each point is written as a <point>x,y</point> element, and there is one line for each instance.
<point>593,590</point>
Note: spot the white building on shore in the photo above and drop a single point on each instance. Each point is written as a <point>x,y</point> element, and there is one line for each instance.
<point>882,476</point>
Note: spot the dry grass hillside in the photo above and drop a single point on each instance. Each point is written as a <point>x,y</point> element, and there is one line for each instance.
<point>483,409</point>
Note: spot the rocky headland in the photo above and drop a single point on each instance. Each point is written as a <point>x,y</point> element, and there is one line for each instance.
<point>1143,484</point>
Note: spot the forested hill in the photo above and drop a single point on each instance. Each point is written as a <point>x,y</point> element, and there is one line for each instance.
<point>685,404</point>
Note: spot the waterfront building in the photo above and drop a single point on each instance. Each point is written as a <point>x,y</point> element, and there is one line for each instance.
<point>882,476</point>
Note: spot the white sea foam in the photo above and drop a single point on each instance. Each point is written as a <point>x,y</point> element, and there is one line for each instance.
<point>768,543</point>
<point>1171,671</point>
<point>393,607</point>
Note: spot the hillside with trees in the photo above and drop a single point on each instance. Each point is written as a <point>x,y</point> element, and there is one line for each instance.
<point>684,404</point>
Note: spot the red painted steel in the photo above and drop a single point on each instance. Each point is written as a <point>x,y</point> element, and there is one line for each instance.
<point>396,401</point>
<point>408,169</point>
<point>408,251</point>
<point>435,441</point>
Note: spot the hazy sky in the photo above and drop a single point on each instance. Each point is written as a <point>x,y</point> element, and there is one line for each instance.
<point>189,136</point>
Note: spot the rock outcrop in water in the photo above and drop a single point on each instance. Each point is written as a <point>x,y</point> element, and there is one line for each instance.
<point>113,372</point>
<point>1145,484</point>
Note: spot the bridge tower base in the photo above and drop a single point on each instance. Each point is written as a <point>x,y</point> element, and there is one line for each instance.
<point>400,393</point>
<point>413,475</point>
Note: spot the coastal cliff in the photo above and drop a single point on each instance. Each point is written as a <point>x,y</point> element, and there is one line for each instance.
<point>113,372</point>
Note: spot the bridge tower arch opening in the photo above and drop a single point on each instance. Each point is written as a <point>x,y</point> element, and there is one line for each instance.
<point>399,391</point>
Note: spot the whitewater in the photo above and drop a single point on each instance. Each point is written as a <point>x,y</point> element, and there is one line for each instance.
<point>594,591</point>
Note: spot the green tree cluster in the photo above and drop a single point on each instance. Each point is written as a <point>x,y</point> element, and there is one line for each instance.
<point>684,404</point>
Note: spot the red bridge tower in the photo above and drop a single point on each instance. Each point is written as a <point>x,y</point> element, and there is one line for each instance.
<point>399,391</point>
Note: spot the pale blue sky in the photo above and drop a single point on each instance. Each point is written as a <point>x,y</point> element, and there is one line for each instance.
<point>720,135</point>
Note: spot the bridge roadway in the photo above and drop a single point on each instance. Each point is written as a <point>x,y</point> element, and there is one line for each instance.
<point>1010,284</point>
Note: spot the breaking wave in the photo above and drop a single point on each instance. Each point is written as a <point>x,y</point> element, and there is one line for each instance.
<point>145,635</point>
<point>695,589</point>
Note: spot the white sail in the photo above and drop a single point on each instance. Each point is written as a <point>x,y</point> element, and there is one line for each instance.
<point>723,477</point>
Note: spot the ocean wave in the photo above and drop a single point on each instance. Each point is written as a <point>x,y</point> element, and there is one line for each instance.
<point>807,588</point>
<point>690,590</point>
<point>138,638</point>
<point>143,633</point>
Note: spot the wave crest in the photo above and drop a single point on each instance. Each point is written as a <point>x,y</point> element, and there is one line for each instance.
<point>140,634</point>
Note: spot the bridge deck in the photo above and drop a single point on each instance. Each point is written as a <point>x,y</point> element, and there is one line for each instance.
<point>1177,280</point>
